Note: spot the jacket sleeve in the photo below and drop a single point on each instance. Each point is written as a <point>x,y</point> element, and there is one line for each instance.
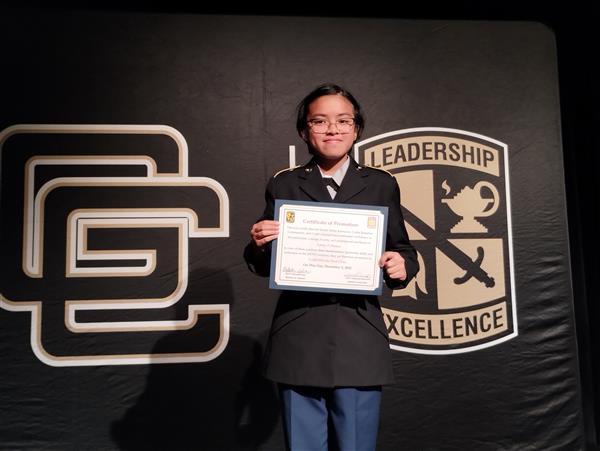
<point>259,260</point>
<point>397,238</point>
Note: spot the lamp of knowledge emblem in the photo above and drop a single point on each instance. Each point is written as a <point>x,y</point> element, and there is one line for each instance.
<point>456,206</point>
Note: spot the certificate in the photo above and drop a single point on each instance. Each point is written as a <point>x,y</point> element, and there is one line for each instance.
<point>328,247</point>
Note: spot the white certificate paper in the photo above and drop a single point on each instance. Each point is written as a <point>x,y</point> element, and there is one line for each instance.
<point>328,247</point>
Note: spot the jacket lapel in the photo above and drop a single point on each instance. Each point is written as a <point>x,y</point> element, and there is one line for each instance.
<point>312,184</point>
<point>352,184</point>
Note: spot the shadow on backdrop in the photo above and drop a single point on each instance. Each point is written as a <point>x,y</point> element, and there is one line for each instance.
<point>223,404</point>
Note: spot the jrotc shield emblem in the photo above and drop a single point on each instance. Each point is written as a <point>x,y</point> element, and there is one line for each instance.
<point>456,204</point>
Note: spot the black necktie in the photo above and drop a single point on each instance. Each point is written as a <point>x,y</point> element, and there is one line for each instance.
<point>329,181</point>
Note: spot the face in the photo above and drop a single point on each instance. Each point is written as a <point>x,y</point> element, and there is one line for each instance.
<point>331,145</point>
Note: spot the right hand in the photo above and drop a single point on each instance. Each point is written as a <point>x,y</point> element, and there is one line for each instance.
<point>263,232</point>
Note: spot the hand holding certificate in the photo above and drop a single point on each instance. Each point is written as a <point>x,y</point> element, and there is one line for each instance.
<point>328,247</point>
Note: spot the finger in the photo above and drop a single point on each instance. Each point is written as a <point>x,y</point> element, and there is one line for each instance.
<point>395,262</point>
<point>389,258</point>
<point>385,258</point>
<point>261,229</point>
<point>264,231</point>
<point>268,224</point>
<point>397,271</point>
<point>261,233</point>
<point>266,240</point>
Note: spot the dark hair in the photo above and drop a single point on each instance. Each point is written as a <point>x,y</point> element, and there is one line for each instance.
<point>327,90</point>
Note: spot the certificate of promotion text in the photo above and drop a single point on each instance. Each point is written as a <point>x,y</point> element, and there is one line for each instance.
<point>328,247</point>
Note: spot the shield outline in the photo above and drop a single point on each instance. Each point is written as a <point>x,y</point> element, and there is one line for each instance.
<point>358,146</point>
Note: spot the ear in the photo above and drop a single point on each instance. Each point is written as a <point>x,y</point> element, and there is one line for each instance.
<point>303,135</point>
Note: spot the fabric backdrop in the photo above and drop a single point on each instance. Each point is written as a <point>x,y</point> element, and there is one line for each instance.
<point>135,151</point>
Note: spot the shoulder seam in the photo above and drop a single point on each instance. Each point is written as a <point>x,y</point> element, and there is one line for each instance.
<point>284,170</point>
<point>380,169</point>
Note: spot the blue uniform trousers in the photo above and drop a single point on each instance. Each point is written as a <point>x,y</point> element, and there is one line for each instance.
<point>339,418</point>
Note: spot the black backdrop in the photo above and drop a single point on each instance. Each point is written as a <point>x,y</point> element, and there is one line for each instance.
<point>54,69</point>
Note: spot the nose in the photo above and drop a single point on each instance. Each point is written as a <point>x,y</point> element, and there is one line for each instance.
<point>332,124</point>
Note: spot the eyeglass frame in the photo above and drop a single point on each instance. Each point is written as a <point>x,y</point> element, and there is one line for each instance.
<point>325,90</point>
<point>337,124</point>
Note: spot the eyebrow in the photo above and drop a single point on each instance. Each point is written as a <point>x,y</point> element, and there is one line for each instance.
<point>324,115</point>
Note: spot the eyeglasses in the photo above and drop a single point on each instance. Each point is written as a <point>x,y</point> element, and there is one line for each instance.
<point>344,125</point>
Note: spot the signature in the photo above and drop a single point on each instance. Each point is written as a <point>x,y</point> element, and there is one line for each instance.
<point>357,276</point>
<point>292,270</point>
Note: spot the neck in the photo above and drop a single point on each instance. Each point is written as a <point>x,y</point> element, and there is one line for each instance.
<point>329,167</point>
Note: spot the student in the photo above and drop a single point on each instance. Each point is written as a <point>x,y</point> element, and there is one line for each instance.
<point>329,352</point>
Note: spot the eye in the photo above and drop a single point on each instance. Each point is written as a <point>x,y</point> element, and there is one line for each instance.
<point>318,122</point>
<point>345,122</point>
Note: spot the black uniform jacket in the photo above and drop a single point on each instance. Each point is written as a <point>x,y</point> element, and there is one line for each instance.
<point>328,339</point>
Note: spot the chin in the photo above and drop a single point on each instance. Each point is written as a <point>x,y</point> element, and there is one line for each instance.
<point>333,157</point>
<point>334,153</point>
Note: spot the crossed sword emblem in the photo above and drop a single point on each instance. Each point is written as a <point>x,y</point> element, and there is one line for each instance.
<point>471,267</point>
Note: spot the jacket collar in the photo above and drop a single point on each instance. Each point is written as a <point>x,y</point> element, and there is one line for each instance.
<point>312,184</point>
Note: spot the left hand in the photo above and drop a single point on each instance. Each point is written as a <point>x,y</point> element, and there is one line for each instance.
<point>393,263</point>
